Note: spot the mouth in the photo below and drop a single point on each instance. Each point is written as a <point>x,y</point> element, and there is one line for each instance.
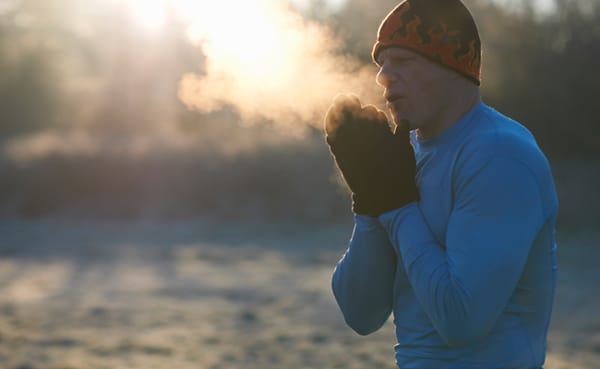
<point>391,100</point>
<point>390,96</point>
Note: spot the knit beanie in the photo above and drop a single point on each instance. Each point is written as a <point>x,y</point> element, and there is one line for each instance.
<point>441,30</point>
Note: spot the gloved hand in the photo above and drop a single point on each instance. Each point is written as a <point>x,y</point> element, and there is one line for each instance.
<point>377,165</point>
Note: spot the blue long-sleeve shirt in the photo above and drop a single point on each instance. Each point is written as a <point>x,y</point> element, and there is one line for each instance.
<point>469,271</point>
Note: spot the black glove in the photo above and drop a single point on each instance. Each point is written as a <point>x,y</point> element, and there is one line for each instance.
<point>377,165</point>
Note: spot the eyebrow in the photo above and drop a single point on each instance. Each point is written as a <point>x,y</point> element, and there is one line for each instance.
<point>385,55</point>
<point>399,54</point>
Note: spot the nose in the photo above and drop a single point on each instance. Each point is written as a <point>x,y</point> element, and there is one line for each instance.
<point>385,77</point>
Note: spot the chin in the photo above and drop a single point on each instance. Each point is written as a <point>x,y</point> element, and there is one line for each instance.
<point>404,122</point>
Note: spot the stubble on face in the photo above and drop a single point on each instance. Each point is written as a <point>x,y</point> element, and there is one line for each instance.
<point>416,88</point>
<point>397,110</point>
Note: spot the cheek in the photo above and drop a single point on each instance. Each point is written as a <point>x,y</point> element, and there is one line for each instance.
<point>424,91</point>
<point>419,96</point>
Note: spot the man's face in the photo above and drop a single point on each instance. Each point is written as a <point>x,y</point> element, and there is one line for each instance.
<point>416,89</point>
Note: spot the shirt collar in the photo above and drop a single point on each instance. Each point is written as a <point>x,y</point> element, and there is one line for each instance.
<point>451,132</point>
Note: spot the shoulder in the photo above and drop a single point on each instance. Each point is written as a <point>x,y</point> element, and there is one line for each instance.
<point>494,135</point>
<point>498,146</point>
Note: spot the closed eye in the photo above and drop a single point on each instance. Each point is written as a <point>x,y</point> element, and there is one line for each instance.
<point>401,60</point>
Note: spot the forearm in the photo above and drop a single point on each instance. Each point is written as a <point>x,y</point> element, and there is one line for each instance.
<point>464,285</point>
<point>439,293</point>
<point>363,279</point>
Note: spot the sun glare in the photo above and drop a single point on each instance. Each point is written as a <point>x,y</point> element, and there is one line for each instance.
<point>149,14</point>
<point>260,56</point>
<point>242,34</point>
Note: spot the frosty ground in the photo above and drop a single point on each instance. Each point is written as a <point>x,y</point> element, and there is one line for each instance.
<point>218,295</point>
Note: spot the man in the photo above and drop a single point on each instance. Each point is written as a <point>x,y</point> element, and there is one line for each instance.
<point>456,238</point>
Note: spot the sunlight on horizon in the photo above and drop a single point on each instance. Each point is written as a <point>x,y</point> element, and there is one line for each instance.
<point>261,60</point>
<point>246,38</point>
<point>267,61</point>
<point>149,14</point>
<point>331,5</point>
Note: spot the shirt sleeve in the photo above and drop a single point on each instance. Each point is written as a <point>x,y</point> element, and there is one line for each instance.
<point>363,279</point>
<point>464,285</point>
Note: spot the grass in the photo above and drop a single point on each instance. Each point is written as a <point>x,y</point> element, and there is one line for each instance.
<point>218,296</point>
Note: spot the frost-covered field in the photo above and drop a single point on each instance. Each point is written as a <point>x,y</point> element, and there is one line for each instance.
<point>205,295</point>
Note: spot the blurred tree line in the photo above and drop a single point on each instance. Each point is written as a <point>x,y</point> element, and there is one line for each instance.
<point>81,73</point>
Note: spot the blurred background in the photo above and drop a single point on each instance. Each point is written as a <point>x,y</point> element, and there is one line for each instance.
<point>149,148</point>
<point>145,109</point>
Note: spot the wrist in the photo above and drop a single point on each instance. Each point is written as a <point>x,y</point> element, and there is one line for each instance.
<point>378,202</point>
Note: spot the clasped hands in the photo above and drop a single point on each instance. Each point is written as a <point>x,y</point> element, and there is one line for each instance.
<point>378,165</point>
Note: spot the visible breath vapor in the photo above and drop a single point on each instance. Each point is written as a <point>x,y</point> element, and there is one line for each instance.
<point>262,62</point>
<point>267,62</point>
